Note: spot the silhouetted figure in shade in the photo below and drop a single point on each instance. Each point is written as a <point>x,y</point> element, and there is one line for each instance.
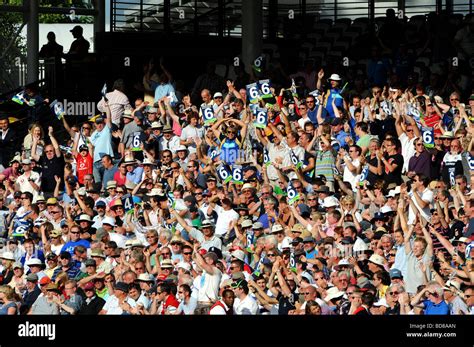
<point>75,60</point>
<point>80,46</point>
<point>52,53</point>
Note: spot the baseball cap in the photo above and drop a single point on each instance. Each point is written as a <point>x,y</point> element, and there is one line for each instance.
<point>395,273</point>
<point>216,95</point>
<point>65,255</point>
<point>89,286</point>
<point>216,251</point>
<point>122,286</point>
<point>44,280</point>
<point>32,277</point>
<point>90,262</point>
<point>52,201</point>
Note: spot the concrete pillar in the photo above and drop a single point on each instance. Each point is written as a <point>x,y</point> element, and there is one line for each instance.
<point>252,31</point>
<point>99,19</point>
<point>32,41</point>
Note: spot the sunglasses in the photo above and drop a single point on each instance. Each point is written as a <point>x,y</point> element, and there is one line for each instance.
<point>394,293</point>
<point>187,253</point>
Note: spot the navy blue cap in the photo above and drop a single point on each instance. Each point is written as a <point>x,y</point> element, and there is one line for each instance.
<point>139,115</point>
<point>395,273</point>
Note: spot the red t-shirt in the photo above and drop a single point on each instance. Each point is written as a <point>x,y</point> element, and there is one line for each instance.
<point>170,301</point>
<point>431,121</point>
<point>84,167</point>
<point>118,178</point>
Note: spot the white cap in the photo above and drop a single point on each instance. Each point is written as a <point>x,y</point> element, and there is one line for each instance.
<point>217,94</point>
<point>386,209</point>
<point>330,201</point>
<point>393,193</point>
<point>184,266</point>
<point>109,220</point>
<point>276,228</point>
<point>238,254</point>
<point>334,77</point>
<point>8,256</point>
<point>381,302</point>
<point>33,261</point>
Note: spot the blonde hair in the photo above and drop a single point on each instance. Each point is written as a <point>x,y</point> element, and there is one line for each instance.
<point>8,291</point>
<point>348,199</point>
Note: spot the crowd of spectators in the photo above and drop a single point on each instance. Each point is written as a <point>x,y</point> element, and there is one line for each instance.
<point>268,196</point>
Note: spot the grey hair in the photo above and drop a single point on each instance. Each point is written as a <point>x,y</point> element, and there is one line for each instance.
<point>166,234</point>
<point>436,287</point>
<point>397,286</point>
<point>271,239</point>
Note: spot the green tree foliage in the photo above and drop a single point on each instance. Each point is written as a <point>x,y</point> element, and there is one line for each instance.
<point>13,47</point>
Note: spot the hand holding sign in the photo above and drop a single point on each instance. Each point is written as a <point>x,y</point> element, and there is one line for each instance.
<point>253,92</point>
<point>224,173</point>
<point>427,134</point>
<point>208,115</point>
<point>237,176</point>
<point>261,118</point>
<point>104,91</point>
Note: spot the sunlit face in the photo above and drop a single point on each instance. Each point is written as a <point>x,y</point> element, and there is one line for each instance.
<point>37,131</point>
<point>418,248</point>
<point>4,124</point>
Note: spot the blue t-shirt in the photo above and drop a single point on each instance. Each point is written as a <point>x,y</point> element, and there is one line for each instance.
<point>431,309</point>
<point>69,246</point>
<point>163,90</point>
<point>102,142</point>
<point>109,175</point>
<point>264,220</point>
<point>338,101</point>
<point>341,137</point>
<point>136,175</point>
<point>312,254</point>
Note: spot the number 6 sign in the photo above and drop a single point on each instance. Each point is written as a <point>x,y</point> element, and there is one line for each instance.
<point>224,173</point>
<point>261,118</point>
<point>253,92</point>
<point>292,194</point>
<point>265,88</point>
<point>208,115</point>
<point>427,134</point>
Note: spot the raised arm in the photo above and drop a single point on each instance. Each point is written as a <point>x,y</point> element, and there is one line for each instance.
<point>180,220</point>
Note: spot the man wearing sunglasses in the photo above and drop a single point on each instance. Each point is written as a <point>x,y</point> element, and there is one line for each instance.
<point>52,162</point>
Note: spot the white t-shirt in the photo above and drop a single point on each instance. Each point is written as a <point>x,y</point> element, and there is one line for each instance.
<point>303,121</point>
<point>112,305</point>
<point>273,153</point>
<point>427,196</point>
<point>352,177</point>
<point>248,306</point>
<point>408,150</point>
<point>190,132</point>
<point>118,238</point>
<point>218,310</point>
<point>209,286</point>
<point>25,185</point>
<point>223,219</point>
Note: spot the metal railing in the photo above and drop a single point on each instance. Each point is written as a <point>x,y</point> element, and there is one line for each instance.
<point>224,17</point>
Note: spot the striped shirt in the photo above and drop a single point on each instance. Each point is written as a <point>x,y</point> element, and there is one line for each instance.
<point>118,102</point>
<point>325,164</point>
